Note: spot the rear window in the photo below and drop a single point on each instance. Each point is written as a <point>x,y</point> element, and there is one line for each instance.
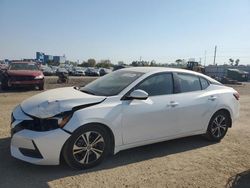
<point>189,82</point>
<point>204,83</point>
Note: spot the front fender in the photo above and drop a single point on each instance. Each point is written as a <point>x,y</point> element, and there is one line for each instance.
<point>80,119</point>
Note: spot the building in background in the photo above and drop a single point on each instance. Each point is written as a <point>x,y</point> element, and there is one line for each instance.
<point>40,57</point>
<point>48,58</point>
<point>60,59</point>
<point>45,59</point>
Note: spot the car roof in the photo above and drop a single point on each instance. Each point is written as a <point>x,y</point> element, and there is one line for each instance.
<point>152,70</point>
<point>156,69</point>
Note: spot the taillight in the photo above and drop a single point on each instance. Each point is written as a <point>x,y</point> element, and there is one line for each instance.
<point>236,95</point>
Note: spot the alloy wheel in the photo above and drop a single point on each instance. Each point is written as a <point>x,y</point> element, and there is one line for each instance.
<point>219,126</point>
<point>88,147</point>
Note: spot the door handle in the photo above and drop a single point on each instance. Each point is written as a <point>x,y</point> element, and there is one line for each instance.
<point>173,104</point>
<point>212,98</point>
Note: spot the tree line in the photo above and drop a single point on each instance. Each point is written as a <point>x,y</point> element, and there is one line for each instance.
<point>108,64</point>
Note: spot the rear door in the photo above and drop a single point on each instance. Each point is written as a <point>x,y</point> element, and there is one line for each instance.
<point>195,102</point>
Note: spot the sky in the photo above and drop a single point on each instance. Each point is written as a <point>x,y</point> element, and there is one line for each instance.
<point>160,30</point>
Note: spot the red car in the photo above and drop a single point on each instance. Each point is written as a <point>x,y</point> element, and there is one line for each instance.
<point>22,74</point>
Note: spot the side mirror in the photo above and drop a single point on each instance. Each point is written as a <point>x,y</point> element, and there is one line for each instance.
<point>138,94</point>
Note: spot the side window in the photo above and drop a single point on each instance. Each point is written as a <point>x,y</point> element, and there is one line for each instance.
<point>159,84</point>
<point>204,83</point>
<point>189,82</point>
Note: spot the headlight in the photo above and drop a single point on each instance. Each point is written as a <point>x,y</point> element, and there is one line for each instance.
<point>48,124</point>
<point>63,120</point>
<point>39,77</point>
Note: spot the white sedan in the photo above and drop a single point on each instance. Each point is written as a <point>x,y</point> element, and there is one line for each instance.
<point>124,109</point>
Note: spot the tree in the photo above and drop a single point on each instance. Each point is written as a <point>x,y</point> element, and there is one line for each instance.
<point>104,64</point>
<point>140,63</point>
<point>231,61</point>
<point>121,63</point>
<point>135,63</point>
<point>53,63</point>
<point>84,64</point>
<point>178,61</point>
<point>71,63</point>
<point>237,61</point>
<point>153,63</point>
<point>91,62</point>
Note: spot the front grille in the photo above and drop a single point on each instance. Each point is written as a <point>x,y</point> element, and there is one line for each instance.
<point>40,124</point>
<point>36,125</point>
<point>22,78</point>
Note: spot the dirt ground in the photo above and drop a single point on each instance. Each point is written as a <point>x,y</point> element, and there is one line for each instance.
<point>186,162</point>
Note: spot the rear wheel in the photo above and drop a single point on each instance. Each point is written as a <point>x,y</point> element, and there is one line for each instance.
<point>218,126</point>
<point>87,147</point>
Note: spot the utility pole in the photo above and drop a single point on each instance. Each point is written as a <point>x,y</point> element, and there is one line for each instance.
<point>205,58</point>
<point>215,50</point>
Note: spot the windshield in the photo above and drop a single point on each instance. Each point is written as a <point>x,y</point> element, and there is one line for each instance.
<point>23,66</point>
<point>111,84</point>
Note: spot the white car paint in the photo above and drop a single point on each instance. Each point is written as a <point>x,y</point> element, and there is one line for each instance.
<point>132,122</point>
<point>55,101</point>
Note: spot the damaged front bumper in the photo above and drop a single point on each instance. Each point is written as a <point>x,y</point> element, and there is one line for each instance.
<point>42,148</point>
<point>37,147</point>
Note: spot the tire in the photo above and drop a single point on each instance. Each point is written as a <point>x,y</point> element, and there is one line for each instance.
<point>4,85</point>
<point>80,155</point>
<point>41,87</point>
<point>218,126</point>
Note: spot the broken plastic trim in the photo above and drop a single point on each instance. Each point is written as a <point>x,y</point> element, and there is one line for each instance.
<point>76,108</point>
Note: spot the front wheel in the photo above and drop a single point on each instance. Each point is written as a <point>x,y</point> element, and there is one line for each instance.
<point>87,147</point>
<point>4,85</point>
<point>41,87</point>
<point>218,126</point>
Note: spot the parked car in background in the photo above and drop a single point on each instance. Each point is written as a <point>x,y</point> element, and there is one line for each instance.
<point>61,70</point>
<point>48,71</point>
<point>104,71</point>
<point>3,66</point>
<point>92,72</point>
<point>79,71</point>
<point>70,71</point>
<point>22,74</point>
<point>54,68</point>
<point>124,109</point>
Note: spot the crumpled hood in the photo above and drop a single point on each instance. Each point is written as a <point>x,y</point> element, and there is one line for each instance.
<point>55,101</point>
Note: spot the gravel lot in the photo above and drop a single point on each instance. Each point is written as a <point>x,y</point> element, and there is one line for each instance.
<point>186,162</point>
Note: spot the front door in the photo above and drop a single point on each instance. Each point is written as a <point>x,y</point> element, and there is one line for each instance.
<point>154,117</point>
